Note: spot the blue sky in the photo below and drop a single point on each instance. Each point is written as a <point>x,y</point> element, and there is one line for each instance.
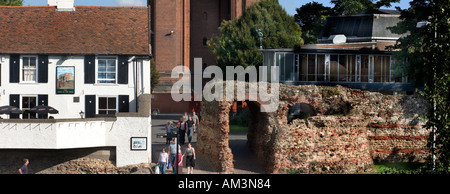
<point>289,5</point>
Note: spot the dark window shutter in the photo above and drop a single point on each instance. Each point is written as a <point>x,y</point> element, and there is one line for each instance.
<point>89,69</point>
<point>43,69</point>
<point>14,68</point>
<point>89,106</point>
<point>123,70</point>
<point>42,100</point>
<point>14,100</point>
<point>124,103</point>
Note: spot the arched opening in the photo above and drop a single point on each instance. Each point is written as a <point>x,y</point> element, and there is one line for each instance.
<point>247,128</point>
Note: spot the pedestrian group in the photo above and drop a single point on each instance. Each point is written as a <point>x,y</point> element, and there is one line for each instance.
<point>187,125</point>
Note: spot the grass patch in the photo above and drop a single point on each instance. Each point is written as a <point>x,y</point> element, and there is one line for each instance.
<point>238,128</point>
<point>400,168</point>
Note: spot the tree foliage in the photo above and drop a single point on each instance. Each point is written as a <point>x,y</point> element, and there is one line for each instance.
<point>428,63</point>
<point>154,75</point>
<point>11,2</point>
<point>311,17</point>
<point>237,41</point>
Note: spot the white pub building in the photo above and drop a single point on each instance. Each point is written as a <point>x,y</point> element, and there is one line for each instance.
<point>90,63</point>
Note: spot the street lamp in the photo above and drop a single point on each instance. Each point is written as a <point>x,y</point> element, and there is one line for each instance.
<point>260,34</point>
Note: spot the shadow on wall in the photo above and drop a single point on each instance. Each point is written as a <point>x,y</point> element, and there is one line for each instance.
<point>300,111</point>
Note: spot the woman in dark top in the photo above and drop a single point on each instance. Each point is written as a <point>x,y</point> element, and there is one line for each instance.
<point>189,153</point>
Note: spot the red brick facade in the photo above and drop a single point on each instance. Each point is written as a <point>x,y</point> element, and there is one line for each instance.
<point>180,31</point>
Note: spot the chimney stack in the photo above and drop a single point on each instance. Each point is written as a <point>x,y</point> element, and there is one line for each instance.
<point>62,5</point>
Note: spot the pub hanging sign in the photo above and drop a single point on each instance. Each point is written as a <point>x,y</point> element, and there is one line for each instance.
<point>65,80</point>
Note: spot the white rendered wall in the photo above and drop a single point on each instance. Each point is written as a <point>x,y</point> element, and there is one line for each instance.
<point>80,133</point>
<point>64,102</point>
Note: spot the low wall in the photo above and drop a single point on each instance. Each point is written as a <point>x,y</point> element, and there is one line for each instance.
<point>324,144</point>
<point>63,134</point>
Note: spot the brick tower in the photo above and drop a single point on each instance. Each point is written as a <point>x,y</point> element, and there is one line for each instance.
<point>181,29</point>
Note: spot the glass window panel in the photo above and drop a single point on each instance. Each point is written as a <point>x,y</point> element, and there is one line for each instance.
<point>25,76</point>
<point>351,68</point>
<point>289,67</point>
<point>364,68</point>
<point>311,67</point>
<point>102,103</point>
<point>377,68</point>
<point>32,75</point>
<point>111,66</point>
<point>101,68</point>
<point>112,103</point>
<point>320,67</point>
<point>110,76</point>
<point>25,102</point>
<point>280,63</point>
<point>342,68</point>
<point>303,67</point>
<point>102,112</point>
<point>32,102</point>
<point>386,68</point>
<point>26,62</point>
<point>334,67</point>
<point>102,76</point>
<point>32,62</point>
<point>111,112</point>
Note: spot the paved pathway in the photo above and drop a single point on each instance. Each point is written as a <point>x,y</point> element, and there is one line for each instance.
<point>244,162</point>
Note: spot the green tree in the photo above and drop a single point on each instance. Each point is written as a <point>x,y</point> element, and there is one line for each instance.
<point>423,55</point>
<point>311,17</point>
<point>237,41</point>
<point>351,7</point>
<point>11,2</point>
<point>154,75</point>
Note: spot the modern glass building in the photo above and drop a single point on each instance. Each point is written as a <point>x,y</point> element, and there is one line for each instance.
<point>352,51</point>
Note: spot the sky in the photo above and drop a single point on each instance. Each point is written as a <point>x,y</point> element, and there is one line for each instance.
<point>288,5</point>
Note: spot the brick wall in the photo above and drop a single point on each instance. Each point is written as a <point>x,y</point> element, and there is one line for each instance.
<point>352,130</point>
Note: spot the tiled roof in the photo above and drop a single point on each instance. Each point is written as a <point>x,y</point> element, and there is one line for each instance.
<point>87,30</point>
<point>369,24</point>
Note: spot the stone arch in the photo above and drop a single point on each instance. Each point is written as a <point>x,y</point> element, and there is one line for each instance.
<point>213,136</point>
<point>335,140</point>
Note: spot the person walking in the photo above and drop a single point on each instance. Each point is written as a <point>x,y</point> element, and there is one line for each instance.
<point>196,121</point>
<point>182,125</point>
<point>169,131</point>
<point>24,168</point>
<point>185,116</point>
<point>179,162</point>
<point>163,159</point>
<point>189,153</point>
<point>173,152</point>
<point>190,128</point>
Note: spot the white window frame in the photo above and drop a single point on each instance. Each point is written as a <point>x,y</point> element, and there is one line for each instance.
<point>21,101</point>
<point>97,109</point>
<point>97,80</point>
<point>21,77</point>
